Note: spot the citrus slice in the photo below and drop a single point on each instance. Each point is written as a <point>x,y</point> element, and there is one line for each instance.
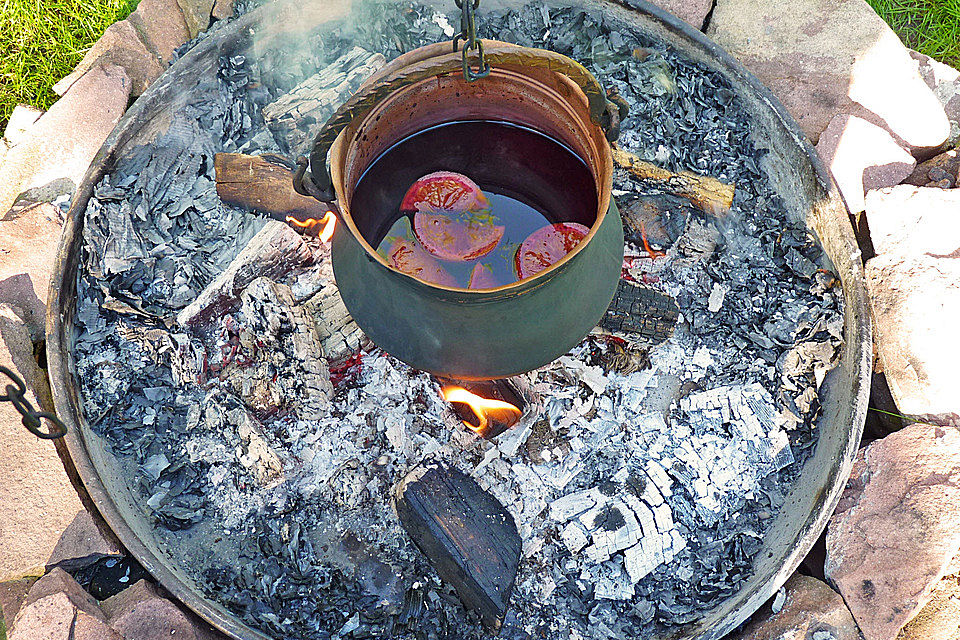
<point>547,246</point>
<point>409,258</point>
<point>482,277</point>
<point>456,239</point>
<point>444,191</point>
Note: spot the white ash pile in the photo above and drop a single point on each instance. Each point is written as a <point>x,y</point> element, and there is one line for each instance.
<point>264,435</point>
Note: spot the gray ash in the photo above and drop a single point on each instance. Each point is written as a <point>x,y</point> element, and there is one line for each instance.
<point>642,478</point>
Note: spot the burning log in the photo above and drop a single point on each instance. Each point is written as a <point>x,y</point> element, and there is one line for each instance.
<point>467,535</point>
<point>268,306</point>
<point>256,183</point>
<point>293,117</point>
<point>279,253</point>
<point>709,194</point>
<point>488,408</point>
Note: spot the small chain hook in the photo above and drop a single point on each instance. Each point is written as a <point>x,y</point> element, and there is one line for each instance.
<point>468,34</point>
<point>32,419</point>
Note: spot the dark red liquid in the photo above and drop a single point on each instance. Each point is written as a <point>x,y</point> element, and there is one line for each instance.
<point>530,179</point>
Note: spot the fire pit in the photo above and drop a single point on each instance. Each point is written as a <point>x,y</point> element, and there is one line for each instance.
<point>284,478</point>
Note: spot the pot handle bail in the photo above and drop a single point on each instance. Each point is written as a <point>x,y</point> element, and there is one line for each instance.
<point>318,182</point>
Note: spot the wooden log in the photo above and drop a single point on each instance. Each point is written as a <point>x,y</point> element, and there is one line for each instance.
<point>296,117</point>
<point>258,185</point>
<point>273,253</point>
<point>707,193</point>
<point>467,535</point>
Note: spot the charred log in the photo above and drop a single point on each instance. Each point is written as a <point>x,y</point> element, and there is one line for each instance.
<point>467,535</point>
<point>273,253</point>
<point>293,117</point>
<point>641,314</point>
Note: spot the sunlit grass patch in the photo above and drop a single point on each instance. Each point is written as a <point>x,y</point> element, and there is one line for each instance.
<point>43,40</point>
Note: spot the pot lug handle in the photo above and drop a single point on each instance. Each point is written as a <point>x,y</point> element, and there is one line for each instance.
<point>318,183</point>
<point>305,184</point>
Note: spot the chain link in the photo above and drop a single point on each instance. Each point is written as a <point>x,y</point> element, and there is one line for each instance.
<point>32,419</point>
<point>468,34</point>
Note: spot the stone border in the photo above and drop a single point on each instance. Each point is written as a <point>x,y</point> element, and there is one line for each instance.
<point>880,115</point>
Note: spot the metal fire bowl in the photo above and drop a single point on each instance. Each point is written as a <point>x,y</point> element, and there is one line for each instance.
<point>798,176</point>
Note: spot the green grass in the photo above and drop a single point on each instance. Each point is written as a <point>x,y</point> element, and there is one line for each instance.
<point>932,27</point>
<point>43,40</point>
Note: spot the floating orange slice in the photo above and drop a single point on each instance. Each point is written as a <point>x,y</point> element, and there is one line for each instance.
<point>547,246</point>
<point>444,191</point>
<point>456,239</point>
<point>409,258</point>
<point>482,277</point>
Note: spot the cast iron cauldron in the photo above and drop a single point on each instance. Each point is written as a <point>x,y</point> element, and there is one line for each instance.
<point>465,333</point>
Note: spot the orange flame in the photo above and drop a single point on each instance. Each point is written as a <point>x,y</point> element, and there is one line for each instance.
<point>484,409</point>
<point>328,221</point>
<point>653,253</point>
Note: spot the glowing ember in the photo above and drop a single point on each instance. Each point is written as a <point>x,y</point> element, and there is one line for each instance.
<point>488,414</point>
<point>328,221</point>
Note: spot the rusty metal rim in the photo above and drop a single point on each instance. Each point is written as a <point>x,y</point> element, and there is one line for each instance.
<point>61,307</point>
<point>61,310</point>
<point>834,218</point>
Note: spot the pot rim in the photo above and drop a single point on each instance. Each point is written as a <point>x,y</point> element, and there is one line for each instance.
<point>602,171</point>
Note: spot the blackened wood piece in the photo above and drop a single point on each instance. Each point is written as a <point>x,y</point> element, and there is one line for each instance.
<point>467,535</point>
<point>645,313</point>
<point>256,184</point>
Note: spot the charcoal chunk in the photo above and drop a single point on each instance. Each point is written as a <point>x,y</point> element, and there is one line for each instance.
<point>641,313</point>
<point>467,535</point>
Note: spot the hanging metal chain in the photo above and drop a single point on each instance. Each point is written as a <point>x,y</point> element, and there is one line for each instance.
<point>32,419</point>
<point>468,33</point>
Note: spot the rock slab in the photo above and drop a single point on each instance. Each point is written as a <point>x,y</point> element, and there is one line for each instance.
<point>21,119</point>
<point>59,147</point>
<point>915,303</point>
<point>28,247</point>
<point>37,501</point>
<point>914,287</point>
<point>83,539</point>
<point>944,80</point>
<point>120,45</point>
<point>161,26</point>
<point>914,221</point>
<point>826,57</point>
<point>862,156</point>
<point>897,527</point>
<point>12,595</point>
<point>141,613</point>
<point>693,12</point>
<point>197,14</point>
<point>940,618</point>
<point>57,608</point>
<point>809,609</point>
